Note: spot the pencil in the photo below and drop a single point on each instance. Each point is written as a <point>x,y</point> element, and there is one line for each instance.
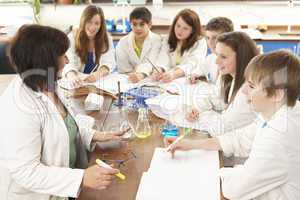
<point>95,68</point>
<point>201,78</point>
<point>103,164</point>
<point>153,66</point>
<point>175,142</point>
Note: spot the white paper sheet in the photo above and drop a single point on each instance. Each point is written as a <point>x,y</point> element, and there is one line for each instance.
<point>68,85</point>
<point>190,175</point>
<point>110,83</point>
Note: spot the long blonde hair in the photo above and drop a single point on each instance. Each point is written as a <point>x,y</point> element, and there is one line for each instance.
<point>81,38</point>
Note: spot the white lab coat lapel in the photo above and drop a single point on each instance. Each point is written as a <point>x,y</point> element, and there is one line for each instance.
<point>184,56</point>
<point>131,48</point>
<point>146,47</point>
<point>60,124</point>
<point>81,156</point>
<point>173,59</point>
<point>187,53</point>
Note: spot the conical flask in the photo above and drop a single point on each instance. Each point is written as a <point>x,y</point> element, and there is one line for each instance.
<point>124,124</point>
<point>143,129</point>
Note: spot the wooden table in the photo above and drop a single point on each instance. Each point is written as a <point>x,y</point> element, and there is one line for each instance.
<point>138,152</point>
<point>141,148</point>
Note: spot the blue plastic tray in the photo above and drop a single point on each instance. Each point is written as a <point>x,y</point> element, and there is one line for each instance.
<point>141,94</point>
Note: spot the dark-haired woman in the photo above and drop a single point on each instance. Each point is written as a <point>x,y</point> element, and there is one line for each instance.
<point>42,145</point>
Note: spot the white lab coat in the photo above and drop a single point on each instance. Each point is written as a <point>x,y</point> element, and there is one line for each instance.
<point>190,58</point>
<point>34,147</point>
<point>216,117</point>
<point>128,61</point>
<point>227,118</point>
<point>107,59</point>
<point>272,169</point>
<point>208,68</point>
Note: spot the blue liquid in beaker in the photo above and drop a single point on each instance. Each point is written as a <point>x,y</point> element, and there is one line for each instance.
<point>170,130</point>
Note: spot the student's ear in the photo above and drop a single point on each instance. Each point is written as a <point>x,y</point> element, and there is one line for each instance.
<point>279,95</point>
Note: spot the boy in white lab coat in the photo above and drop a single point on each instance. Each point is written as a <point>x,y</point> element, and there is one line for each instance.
<point>134,51</point>
<point>271,142</point>
<point>215,27</point>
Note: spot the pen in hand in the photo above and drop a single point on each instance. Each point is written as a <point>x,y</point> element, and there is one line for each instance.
<point>103,164</point>
<point>174,143</point>
<point>198,78</point>
<point>95,68</point>
<point>153,66</point>
<point>91,77</point>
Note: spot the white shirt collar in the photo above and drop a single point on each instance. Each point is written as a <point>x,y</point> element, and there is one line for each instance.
<point>279,120</point>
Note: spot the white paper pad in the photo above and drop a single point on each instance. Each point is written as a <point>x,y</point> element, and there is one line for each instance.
<point>110,83</point>
<point>191,175</point>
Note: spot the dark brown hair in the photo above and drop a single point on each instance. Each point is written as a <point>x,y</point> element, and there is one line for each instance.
<point>101,38</point>
<point>35,52</point>
<point>245,49</point>
<point>141,13</point>
<point>192,19</point>
<point>276,70</point>
<point>219,24</point>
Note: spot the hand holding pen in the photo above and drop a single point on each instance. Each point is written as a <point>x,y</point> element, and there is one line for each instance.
<point>174,144</point>
<point>98,177</point>
<point>194,78</point>
<point>157,72</point>
<point>192,115</point>
<point>75,79</point>
<point>153,66</point>
<point>92,77</point>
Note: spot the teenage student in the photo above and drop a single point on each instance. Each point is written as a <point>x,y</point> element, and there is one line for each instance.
<point>183,49</point>
<point>42,145</point>
<point>91,50</point>
<point>272,142</point>
<point>215,27</point>
<point>228,108</point>
<point>139,47</point>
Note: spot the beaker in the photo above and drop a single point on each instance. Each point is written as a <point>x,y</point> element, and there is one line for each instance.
<point>143,129</point>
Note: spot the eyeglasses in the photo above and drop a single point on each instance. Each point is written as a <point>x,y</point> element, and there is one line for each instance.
<point>118,163</point>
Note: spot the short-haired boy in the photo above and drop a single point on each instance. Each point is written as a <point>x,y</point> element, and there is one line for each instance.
<point>215,27</point>
<point>134,50</point>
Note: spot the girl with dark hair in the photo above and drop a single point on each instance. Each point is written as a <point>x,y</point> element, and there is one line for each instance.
<point>42,142</point>
<point>91,47</point>
<point>234,51</point>
<point>183,49</point>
